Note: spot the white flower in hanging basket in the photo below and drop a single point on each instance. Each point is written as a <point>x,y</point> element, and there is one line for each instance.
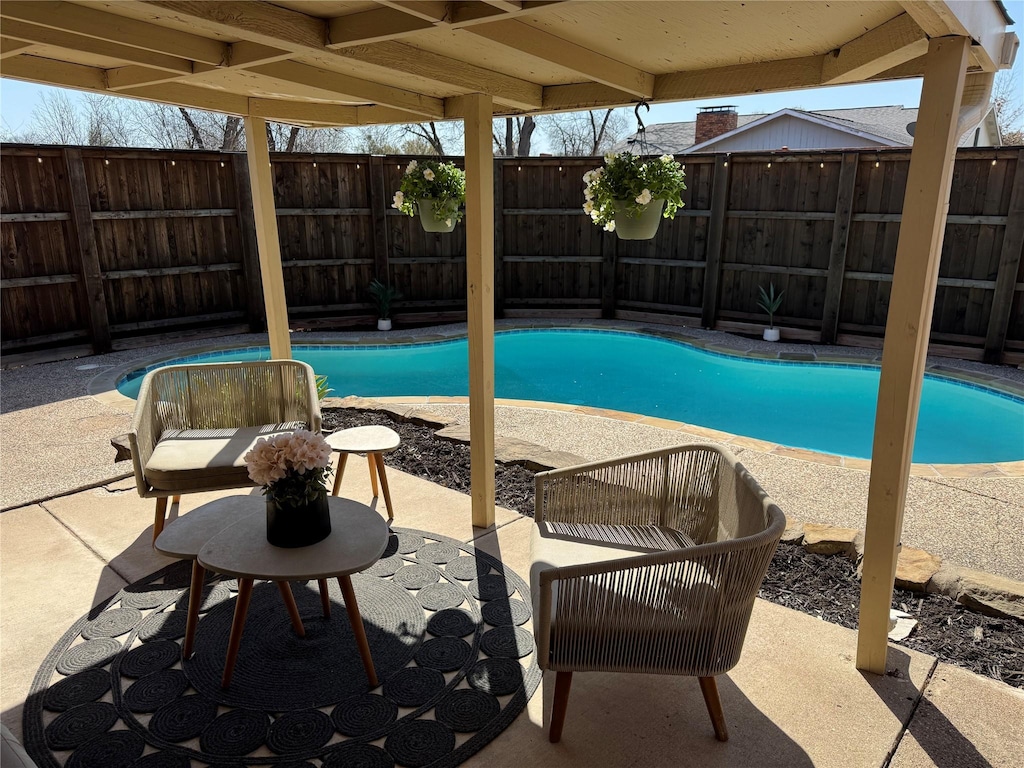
<point>627,184</point>
<point>442,186</point>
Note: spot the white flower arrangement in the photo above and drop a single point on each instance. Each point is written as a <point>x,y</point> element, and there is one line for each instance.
<point>443,184</point>
<point>628,184</point>
<point>292,467</point>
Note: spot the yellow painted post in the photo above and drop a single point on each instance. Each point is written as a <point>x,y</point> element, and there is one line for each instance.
<point>271,274</point>
<point>906,336</point>
<point>480,303</point>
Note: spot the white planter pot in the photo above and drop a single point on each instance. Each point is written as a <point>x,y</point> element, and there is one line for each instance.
<point>643,227</point>
<point>384,324</point>
<point>430,222</point>
<point>770,334</point>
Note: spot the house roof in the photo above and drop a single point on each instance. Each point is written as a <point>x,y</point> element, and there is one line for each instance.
<point>889,124</point>
<point>353,62</point>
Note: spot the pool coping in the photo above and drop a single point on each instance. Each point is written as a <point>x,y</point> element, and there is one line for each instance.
<point>103,386</point>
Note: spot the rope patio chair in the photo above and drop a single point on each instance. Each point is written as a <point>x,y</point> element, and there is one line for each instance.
<point>193,424</point>
<point>649,564</point>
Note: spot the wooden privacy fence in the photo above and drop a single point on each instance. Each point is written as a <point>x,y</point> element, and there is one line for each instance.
<point>112,248</point>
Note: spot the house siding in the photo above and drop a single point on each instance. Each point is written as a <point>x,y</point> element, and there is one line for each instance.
<point>791,132</point>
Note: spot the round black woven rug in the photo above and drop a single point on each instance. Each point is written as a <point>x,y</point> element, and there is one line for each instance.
<point>445,627</point>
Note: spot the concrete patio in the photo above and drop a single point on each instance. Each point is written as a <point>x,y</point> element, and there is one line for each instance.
<point>795,698</point>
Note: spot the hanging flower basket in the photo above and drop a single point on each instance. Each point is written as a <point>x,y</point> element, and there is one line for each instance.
<point>629,194</point>
<point>643,226</point>
<point>434,190</point>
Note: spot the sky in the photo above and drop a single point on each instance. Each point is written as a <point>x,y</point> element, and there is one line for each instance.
<point>17,99</point>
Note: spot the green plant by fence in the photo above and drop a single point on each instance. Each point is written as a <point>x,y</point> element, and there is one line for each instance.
<point>107,248</point>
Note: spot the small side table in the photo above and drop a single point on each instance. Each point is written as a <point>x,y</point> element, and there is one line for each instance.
<point>357,540</point>
<point>372,440</point>
<point>186,535</point>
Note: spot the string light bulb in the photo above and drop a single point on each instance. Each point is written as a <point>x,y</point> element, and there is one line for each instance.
<point>172,162</point>
<point>769,165</point>
<point>314,163</point>
<point>106,161</point>
<point>221,163</point>
<point>993,162</point>
<point>357,166</point>
<point>876,163</point>
<point>39,159</point>
<point>822,165</point>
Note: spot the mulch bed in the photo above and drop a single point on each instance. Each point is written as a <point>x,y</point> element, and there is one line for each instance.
<point>822,586</point>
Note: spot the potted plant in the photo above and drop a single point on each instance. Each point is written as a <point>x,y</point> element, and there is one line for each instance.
<point>383,295</point>
<point>293,468</point>
<point>770,303</point>
<point>436,191</point>
<point>629,194</point>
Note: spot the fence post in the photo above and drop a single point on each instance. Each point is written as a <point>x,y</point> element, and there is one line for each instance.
<point>83,245</point>
<point>1009,266</point>
<point>255,309</point>
<point>378,210</point>
<point>837,256</point>
<point>609,259</point>
<point>716,240</point>
<point>499,237</point>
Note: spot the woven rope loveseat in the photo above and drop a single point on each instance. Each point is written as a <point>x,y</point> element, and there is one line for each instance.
<point>649,564</point>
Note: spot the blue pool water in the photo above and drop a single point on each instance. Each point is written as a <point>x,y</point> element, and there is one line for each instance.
<point>823,407</point>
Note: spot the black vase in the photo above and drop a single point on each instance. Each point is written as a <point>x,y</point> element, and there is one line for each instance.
<point>300,525</point>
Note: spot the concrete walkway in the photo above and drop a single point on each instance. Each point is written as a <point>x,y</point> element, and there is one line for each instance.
<point>794,700</point>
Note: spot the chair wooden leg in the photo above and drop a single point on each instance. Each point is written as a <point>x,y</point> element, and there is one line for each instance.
<point>161,516</point>
<point>293,609</point>
<point>325,599</point>
<point>563,681</point>
<point>176,499</point>
<point>709,688</point>
<point>373,474</point>
<point>384,484</point>
<point>342,458</point>
<point>195,599</point>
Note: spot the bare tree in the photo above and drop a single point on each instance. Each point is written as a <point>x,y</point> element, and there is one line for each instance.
<point>428,133</point>
<point>584,133</point>
<point>518,136</point>
<point>55,120</point>
<point>1008,101</point>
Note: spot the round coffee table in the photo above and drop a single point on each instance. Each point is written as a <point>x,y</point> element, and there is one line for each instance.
<point>358,538</point>
<point>374,441</point>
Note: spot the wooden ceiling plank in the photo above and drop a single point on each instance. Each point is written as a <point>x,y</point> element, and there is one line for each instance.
<point>591,65</point>
<point>122,78</point>
<point>893,43</point>
<point>304,111</point>
<point>185,95</point>
<point>442,69</point>
<point>353,88</point>
<point>59,73</point>
<point>60,39</point>
<point>9,47</point>
<point>983,22</point>
<point>434,11</point>
<point>373,26</point>
<point>738,79</point>
<point>509,6</point>
<point>260,22</point>
<point>246,53</point>
<point>101,25</point>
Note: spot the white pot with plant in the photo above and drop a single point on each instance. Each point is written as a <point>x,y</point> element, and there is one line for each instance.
<point>630,195</point>
<point>770,302</point>
<point>434,190</point>
<point>382,296</point>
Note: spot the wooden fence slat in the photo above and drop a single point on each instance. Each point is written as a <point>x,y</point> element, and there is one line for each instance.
<point>837,254</point>
<point>255,309</point>
<point>124,274</point>
<point>183,213</point>
<point>716,240</point>
<point>378,210</point>
<point>84,247</point>
<point>1009,267</point>
<point>29,282</point>
<point>13,218</point>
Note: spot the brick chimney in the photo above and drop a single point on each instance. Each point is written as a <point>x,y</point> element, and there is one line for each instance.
<point>714,121</point>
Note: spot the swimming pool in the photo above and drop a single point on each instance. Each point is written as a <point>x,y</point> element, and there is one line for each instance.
<point>820,406</point>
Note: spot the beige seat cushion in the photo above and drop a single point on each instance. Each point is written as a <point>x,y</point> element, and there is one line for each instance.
<point>186,460</point>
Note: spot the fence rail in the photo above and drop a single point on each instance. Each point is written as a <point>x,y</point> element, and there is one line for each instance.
<point>109,246</point>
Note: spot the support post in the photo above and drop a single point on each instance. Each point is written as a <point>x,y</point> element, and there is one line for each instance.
<point>84,242</point>
<point>480,303</point>
<point>716,240</point>
<point>837,256</point>
<point>255,310</point>
<point>1009,268</point>
<point>261,182</point>
<point>906,337</point>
